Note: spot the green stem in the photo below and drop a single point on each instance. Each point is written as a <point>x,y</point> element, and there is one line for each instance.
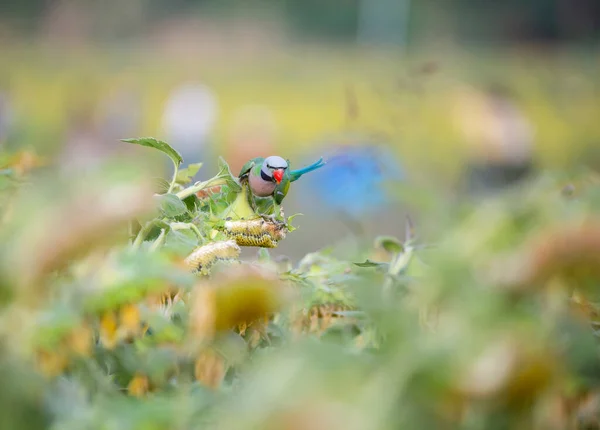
<point>199,186</point>
<point>142,235</point>
<point>173,181</point>
<point>186,225</point>
<point>399,262</point>
<point>130,231</point>
<point>277,212</point>
<point>160,240</point>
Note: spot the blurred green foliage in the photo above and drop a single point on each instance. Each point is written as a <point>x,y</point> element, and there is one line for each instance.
<point>491,325</point>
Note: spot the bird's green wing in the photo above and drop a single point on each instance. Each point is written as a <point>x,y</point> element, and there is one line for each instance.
<point>246,168</point>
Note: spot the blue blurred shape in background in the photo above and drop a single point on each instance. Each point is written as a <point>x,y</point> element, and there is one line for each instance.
<point>353,182</point>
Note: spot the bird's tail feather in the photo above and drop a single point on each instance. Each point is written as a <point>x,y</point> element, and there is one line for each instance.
<point>295,174</point>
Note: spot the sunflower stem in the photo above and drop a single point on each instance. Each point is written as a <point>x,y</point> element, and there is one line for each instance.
<point>199,186</point>
<point>174,180</point>
<point>137,243</point>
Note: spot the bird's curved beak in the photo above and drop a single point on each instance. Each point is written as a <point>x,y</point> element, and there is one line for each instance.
<point>278,175</point>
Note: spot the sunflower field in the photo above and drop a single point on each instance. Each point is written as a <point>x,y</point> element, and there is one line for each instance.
<point>125,305</point>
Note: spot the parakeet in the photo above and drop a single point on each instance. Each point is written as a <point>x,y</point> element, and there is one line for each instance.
<point>271,176</point>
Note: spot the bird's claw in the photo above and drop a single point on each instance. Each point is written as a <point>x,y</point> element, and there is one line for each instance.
<point>272,218</point>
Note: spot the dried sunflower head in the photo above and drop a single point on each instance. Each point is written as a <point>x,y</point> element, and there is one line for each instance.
<point>511,372</point>
<point>238,296</point>
<point>260,232</point>
<point>205,256</point>
<point>569,254</point>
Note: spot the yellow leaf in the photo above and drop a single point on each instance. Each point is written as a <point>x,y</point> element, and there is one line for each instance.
<point>25,161</point>
<point>138,386</point>
<point>53,363</point>
<point>108,330</point>
<point>130,322</point>
<point>80,339</point>
<point>210,369</point>
<point>203,315</point>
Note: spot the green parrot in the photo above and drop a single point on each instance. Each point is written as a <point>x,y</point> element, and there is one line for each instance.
<point>271,176</point>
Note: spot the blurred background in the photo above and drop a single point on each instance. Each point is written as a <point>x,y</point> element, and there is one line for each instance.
<point>464,97</point>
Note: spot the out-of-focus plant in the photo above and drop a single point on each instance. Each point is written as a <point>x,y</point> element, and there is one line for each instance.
<point>124,304</point>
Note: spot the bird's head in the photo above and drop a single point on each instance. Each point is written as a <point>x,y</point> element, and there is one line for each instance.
<point>273,168</point>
